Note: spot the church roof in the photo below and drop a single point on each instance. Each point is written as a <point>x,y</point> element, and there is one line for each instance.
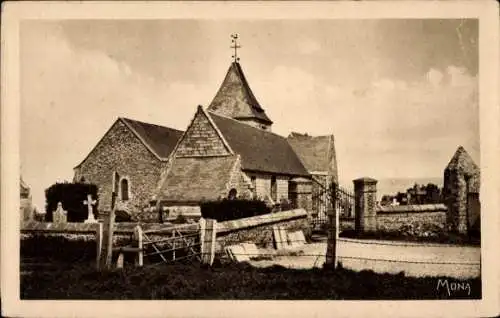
<point>195,179</point>
<point>260,150</point>
<point>235,99</point>
<point>161,140</point>
<point>316,152</point>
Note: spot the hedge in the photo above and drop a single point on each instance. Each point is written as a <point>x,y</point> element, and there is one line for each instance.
<point>71,195</point>
<point>226,210</point>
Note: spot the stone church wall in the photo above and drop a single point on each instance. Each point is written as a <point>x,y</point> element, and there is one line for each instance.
<point>121,151</point>
<point>263,185</point>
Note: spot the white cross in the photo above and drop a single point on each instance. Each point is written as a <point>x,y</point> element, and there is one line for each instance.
<point>89,202</point>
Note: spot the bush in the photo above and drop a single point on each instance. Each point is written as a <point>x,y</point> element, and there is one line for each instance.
<point>122,216</point>
<point>226,210</point>
<point>71,195</point>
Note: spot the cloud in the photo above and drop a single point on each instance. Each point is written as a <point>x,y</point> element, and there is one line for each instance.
<point>308,46</point>
<point>63,121</point>
<point>401,128</point>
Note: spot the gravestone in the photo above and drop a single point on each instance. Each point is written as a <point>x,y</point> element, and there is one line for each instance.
<point>89,203</point>
<point>60,215</point>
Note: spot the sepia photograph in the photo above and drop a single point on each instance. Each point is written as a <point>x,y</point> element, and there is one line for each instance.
<point>247,158</point>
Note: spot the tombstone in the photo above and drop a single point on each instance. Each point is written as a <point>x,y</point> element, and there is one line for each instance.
<point>59,216</point>
<point>89,203</point>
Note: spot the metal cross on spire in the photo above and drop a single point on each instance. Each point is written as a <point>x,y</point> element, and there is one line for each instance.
<point>235,46</point>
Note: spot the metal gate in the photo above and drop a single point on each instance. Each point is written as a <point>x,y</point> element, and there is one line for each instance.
<point>327,197</point>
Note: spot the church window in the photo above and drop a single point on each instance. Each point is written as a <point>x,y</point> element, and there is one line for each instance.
<point>124,189</point>
<point>232,194</point>
<point>273,188</point>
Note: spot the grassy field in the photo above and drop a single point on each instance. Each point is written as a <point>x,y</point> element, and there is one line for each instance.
<point>233,281</point>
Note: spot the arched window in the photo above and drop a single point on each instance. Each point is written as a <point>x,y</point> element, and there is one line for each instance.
<point>232,194</point>
<point>124,190</point>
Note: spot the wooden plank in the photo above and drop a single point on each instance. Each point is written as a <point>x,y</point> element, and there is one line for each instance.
<point>277,238</point>
<point>239,253</point>
<point>209,240</point>
<point>251,249</point>
<point>99,240</point>
<point>139,261</point>
<point>155,248</point>
<point>283,236</point>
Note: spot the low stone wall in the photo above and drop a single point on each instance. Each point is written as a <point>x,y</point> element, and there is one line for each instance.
<point>346,224</point>
<point>416,218</point>
<point>259,229</point>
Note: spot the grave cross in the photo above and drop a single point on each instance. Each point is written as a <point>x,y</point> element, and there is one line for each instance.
<point>89,202</point>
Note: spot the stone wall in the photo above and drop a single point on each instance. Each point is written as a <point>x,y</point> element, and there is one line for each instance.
<point>120,150</point>
<point>240,181</point>
<point>263,185</point>
<point>397,221</point>
<point>259,229</point>
<point>201,139</point>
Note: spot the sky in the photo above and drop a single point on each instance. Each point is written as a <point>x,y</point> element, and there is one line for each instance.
<point>399,95</point>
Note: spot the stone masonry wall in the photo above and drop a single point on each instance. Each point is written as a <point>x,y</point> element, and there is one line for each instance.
<point>388,222</point>
<point>239,181</point>
<point>201,139</point>
<point>263,185</point>
<point>259,230</point>
<point>120,150</point>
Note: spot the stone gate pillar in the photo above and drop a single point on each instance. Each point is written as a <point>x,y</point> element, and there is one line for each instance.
<point>303,188</point>
<point>365,196</point>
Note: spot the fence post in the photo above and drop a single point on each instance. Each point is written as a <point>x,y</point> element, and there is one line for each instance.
<point>139,260</point>
<point>333,229</point>
<point>98,241</point>
<point>106,256</point>
<point>208,230</point>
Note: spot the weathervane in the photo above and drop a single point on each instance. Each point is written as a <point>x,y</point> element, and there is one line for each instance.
<point>235,46</point>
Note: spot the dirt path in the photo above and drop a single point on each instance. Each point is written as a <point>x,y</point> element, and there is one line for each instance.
<point>414,259</point>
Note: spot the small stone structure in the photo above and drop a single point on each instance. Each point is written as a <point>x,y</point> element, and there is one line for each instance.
<point>365,196</point>
<point>461,192</point>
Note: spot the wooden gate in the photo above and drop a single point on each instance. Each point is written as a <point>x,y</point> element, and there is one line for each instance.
<point>171,245</point>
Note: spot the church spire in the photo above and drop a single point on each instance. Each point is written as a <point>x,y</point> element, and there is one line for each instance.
<point>235,99</point>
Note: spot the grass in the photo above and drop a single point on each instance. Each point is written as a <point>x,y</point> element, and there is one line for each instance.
<point>232,281</point>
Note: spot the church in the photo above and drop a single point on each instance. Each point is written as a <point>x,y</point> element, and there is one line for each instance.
<point>228,150</point>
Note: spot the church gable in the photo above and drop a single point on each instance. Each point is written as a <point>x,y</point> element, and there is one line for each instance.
<point>202,139</point>
<point>121,150</point>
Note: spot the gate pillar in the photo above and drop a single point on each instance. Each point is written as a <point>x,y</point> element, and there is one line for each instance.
<point>365,196</point>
